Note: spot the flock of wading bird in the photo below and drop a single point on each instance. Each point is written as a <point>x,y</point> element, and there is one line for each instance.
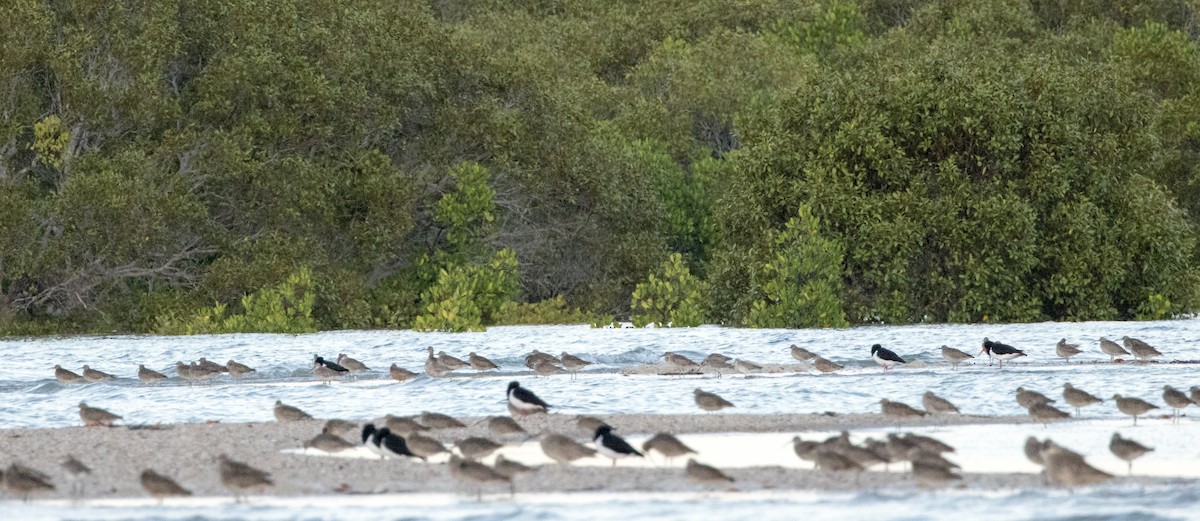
<point>405,438</point>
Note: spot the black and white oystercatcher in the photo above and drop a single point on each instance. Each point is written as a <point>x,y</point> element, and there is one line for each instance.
<point>523,402</point>
<point>1001,352</point>
<point>885,357</point>
<point>388,444</point>
<point>613,446</point>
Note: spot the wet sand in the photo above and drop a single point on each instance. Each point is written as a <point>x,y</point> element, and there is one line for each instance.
<point>188,452</point>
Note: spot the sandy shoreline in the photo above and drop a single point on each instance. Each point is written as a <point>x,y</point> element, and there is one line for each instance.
<point>188,453</point>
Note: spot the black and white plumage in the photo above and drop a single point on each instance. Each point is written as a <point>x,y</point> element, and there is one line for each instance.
<point>368,438</point>
<point>1001,352</point>
<point>523,402</point>
<point>886,357</point>
<point>391,445</point>
<point>613,446</point>
<point>317,360</point>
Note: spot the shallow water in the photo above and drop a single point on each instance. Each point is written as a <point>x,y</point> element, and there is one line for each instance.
<point>34,399</point>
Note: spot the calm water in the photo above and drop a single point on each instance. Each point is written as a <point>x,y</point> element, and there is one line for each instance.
<point>32,398</point>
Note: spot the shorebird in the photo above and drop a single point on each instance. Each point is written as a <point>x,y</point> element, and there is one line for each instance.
<point>424,446</point>
<point>239,477</point>
<point>1194,394</point>
<point>805,449</point>
<point>1001,352</point>
<point>338,427</point>
<point>536,357</point>
<point>352,365</point>
<point>704,474</point>
<point>435,420</point>
<point>475,448</point>
<point>573,363</point>
<point>368,438</point>
<point>160,486</point>
<point>480,363</point>
<point>66,376</point>
<point>898,410</point>
<point>927,443</point>
<point>1133,406</point>
<point>1068,469</point>
<point>75,471</point>
<point>403,425</point>
<point>801,354</point>
<point>185,372</point>
<point>93,375</point>
<point>679,361</point>
<point>149,376</point>
<point>900,449</point>
<point>326,370</point>
<point>709,401</point>
<point>746,366</point>
<point>955,356</point>
<point>1112,349</point>
<point>523,402</point>
<point>1176,400</point>
<point>587,425</point>
<point>468,471</point>
<point>1045,413</point>
<point>450,362</point>
<point>1065,351</point>
<point>24,481</point>
<point>563,449</point>
<point>885,357</point>
<point>613,446</point>
<point>238,370</point>
<point>824,365</point>
<point>390,445</point>
<point>1033,450</point>
<point>1027,398</point>
<point>400,374</point>
<point>504,426</point>
<point>95,416</point>
<point>861,456</point>
<point>545,368</point>
<point>833,461</point>
<point>717,361</point>
<point>287,413</point>
<point>510,468</point>
<point>1127,449</point>
<point>200,372</point>
<point>328,442</point>
<point>433,367</point>
<point>1141,350</point>
<point>935,404</point>
<point>669,446</point>
<point>1078,398</point>
<point>211,366</point>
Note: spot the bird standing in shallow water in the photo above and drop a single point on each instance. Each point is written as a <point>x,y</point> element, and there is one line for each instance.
<point>1141,350</point>
<point>935,404</point>
<point>1078,398</point>
<point>955,356</point>
<point>613,446</point>
<point>93,375</point>
<point>1112,349</point>
<point>95,416</point>
<point>287,413</point>
<point>1001,352</point>
<point>710,401</point>
<point>351,364</point>
<point>149,376</point>
<point>1176,400</point>
<point>400,374</point>
<point>480,363</point>
<point>573,363</point>
<point>523,401</point>
<point>885,357</point>
<point>1065,351</point>
<point>66,376</point>
<point>1127,449</point>
<point>1133,406</point>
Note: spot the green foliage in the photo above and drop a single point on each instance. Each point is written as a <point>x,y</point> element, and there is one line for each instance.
<point>671,297</point>
<point>467,298</point>
<point>284,308</point>
<point>467,210</point>
<point>801,284</point>
<point>550,311</point>
<point>50,141</point>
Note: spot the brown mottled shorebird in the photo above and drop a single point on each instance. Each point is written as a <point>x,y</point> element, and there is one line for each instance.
<point>92,375</point>
<point>1078,398</point>
<point>1033,450</point>
<point>450,362</point>
<point>239,477</point>
<point>932,475</point>
<point>1141,350</point>
<point>801,354</point>
<point>955,356</point>
<point>679,361</point>
<point>75,471</point>
<point>341,428</point>
<point>667,445</point>
<point>467,471</point>
<point>935,404</point>
<point>1065,351</point>
<point>1133,406</point>
<point>717,361</point>
<point>1112,349</point>
<point>435,420</point>
<point>434,367</point>
<point>1045,413</point>
<point>287,413</point>
<point>862,456</point>
<point>573,363</point>
<point>898,410</point>
<point>805,449</point>
<point>95,416</point>
<point>536,357</point>
<point>1127,449</point>
<point>403,425</point>
<point>211,366</point>
<point>1176,400</point>
<point>704,474</point>
<point>160,486</point>
<point>927,443</point>
<point>424,446</point>
<point>709,401</point>
<point>185,372</point>
<point>66,376</point>
<point>149,376</point>
<point>328,442</point>
<point>587,425</point>
<point>900,449</point>
<point>475,448</point>
<point>563,449</point>
<point>510,468</point>
<point>349,363</point>
<point>238,370</point>
<point>23,481</point>
<point>1068,469</point>
<point>505,426</point>
<point>400,374</point>
<point>828,459</point>
<point>544,368</point>
<point>480,363</point>
<point>824,365</point>
<point>746,366</point>
<point>1027,398</point>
